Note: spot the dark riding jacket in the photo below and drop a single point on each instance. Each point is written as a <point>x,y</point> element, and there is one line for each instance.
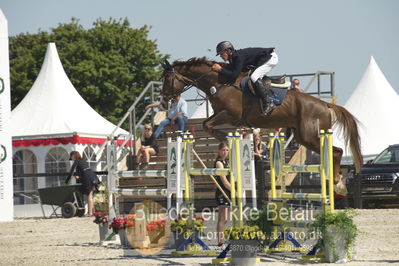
<point>243,58</point>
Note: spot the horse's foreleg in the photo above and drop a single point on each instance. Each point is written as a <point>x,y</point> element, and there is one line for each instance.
<point>217,119</point>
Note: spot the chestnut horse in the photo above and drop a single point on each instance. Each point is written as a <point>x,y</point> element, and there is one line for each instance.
<point>305,114</point>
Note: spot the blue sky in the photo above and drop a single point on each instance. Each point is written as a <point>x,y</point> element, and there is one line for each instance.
<point>309,35</point>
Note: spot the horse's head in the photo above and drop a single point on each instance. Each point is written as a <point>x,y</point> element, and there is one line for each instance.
<point>182,75</point>
<point>173,82</point>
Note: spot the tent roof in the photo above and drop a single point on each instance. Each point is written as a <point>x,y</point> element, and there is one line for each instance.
<point>375,104</point>
<point>200,112</point>
<point>54,107</point>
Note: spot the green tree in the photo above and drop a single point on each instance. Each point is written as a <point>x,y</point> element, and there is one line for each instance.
<point>109,64</point>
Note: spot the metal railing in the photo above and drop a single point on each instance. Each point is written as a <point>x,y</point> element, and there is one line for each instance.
<point>133,123</point>
<point>319,93</point>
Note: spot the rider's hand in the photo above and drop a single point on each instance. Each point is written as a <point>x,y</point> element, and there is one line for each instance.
<point>216,67</point>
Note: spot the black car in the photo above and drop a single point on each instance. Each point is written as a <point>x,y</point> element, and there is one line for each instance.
<point>378,180</point>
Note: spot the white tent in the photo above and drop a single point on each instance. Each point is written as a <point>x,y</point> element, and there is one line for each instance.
<point>201,111</point>
<point>375,104</point>
<point>54,107</point>
<point>51,121</point>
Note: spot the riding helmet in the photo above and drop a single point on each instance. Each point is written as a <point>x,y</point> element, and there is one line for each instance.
<point>223,46</point>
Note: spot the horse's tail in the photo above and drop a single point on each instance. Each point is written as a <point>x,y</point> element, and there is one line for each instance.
<point>350,132</point>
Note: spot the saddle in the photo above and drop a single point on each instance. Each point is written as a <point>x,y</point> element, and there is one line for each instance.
<point>277,85</point>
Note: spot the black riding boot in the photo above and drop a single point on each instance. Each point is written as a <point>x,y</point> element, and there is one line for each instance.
<point>262,92</point>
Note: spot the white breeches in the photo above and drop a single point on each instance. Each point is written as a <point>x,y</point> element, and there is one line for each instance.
<point>261,71</point>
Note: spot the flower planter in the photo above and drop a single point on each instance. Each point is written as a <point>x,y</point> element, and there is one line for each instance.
<point>156,235</point>
<point>335,244</point>
<point>103,231</point>
<point>124,236</point>
<point>179,239</point>
<point>243,252</point>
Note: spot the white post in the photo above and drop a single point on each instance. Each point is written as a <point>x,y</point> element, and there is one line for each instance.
<point>248,169</point>
<point>111,163</point>
<point>6,182</point>
<point>174,171</point>
<point>253,177</point>
<point>179,174</point>
<point>40,153</point>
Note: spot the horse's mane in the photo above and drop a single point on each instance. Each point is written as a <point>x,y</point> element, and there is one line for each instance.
<point>194,61</point>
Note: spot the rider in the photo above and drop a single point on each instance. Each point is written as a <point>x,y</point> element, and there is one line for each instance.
<point>264,59</point>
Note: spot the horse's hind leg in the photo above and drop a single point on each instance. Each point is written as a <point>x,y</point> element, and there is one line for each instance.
<point>312,142</point>
<point>219,118</point>
<point>337,155</point>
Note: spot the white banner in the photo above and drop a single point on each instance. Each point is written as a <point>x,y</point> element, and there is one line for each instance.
<point>247,164</point>
<point>175,168</point>
<point>6,184</point>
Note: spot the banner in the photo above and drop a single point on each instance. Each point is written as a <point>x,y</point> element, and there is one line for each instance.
<point>6,184</point>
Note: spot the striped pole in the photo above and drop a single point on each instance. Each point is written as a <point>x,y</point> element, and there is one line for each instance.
<point>209,171</point>
<point>212,177</point>
<point>301,168</point>
<point>141,173</point>
<point>140,192</point>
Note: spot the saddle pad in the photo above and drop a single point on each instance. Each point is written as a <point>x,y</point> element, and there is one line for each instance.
<point>276,94</point>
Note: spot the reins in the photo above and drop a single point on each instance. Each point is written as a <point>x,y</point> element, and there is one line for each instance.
<point>187,81</point>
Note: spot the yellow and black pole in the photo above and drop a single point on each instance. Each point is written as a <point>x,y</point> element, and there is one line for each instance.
<point>331,172</point>
<point>237,170</point>
<point>186,168</point>
<point>272,139</point>
<point>272,166</point>
<point>232,177</point>
<point>323,171</point>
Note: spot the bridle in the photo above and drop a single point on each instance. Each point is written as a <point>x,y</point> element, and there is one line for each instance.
<point>188,83</point>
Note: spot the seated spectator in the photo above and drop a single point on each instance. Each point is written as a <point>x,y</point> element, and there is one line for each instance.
<point>148,147</point>
<point>177,114</point>
<point>162,107</point>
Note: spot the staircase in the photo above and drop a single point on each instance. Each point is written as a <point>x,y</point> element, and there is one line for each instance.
<point>205,146</point>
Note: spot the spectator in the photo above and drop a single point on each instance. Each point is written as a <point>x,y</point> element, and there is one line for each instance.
<point>84,175</point>
<point>260,148</point>
<point>222,203</point>
<point>260,154</point>
<point>148,147</point>
<point>341,193</point>
<point>176,114</point>
<point>295,85</point>
<point>160,115</point>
